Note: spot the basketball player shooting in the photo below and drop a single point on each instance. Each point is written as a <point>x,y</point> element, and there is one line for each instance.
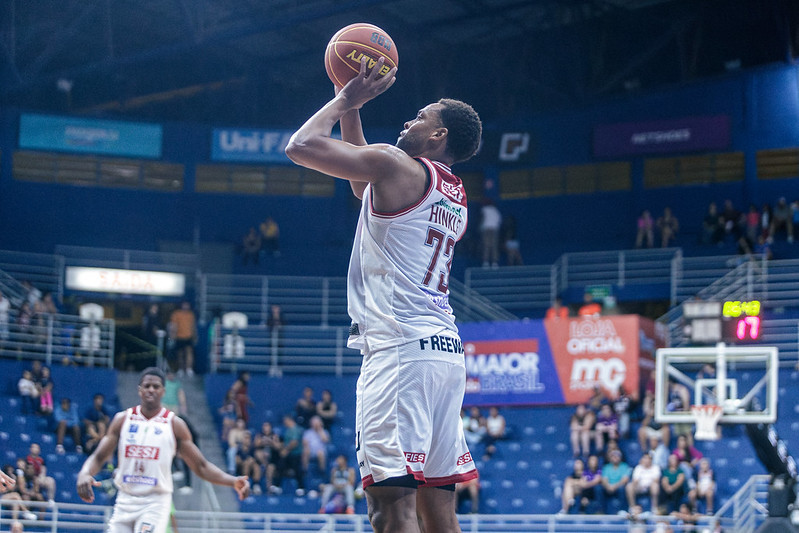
<point>409,440</point>
<point>146,438</point>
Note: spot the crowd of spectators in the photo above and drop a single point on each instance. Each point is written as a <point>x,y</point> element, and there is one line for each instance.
<point>676,480</point>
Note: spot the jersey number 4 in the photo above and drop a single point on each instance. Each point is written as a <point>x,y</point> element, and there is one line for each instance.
<point>436,239</point>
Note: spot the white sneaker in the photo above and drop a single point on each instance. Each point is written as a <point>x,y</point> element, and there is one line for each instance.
<point>181,373</point>
<point>185,490</point>
<point>256,489</point>
<point>177,475</point>
<point>27,515</point>
<point>59,449</point>
<point>190,373</point>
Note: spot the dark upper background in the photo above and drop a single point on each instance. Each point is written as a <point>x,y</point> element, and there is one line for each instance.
<point>259,62</point>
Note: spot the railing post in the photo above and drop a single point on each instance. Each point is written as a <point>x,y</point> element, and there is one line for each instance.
<point>564,271</point>
<point>49,357</point>
<point>676,267</point>
<point>60,266</point>
<point>749,279</point>
<point>325,301</point>
<point>622,266</point>
<point>264,300</point>
<point>203,297</point>
<point>111,339</point>
<point>340,352</point>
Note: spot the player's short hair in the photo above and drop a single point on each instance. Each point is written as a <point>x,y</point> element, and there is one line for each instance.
<point>153,371</point>
<point>464,128</point>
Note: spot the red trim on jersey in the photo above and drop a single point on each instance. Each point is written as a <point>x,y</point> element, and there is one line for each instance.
<point>417,475</point>
<point>449,480</point>
<point>431,171</point>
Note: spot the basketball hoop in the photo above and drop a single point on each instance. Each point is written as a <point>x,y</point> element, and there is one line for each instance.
<point>707,419</point>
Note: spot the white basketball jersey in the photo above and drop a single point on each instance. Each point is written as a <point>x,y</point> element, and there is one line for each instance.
<point>398,281</point>
<point>145,452</point>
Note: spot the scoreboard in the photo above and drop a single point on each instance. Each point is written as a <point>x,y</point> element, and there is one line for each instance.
<point>731,321</point>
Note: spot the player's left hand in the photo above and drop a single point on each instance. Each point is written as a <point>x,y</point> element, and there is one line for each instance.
<point>242,486</point>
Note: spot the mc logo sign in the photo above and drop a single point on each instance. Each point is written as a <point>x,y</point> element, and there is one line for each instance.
<point>606,373</point>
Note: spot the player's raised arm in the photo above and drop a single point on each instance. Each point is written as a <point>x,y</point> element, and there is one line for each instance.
<point>101,455</point>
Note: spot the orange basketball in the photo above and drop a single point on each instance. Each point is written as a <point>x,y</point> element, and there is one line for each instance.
<point>350,44</point>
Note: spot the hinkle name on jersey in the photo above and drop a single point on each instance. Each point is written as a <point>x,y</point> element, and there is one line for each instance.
<point>446,215</point>
<point>140,480</point>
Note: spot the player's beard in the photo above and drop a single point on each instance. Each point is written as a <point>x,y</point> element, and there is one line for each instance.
<point>408,143</point>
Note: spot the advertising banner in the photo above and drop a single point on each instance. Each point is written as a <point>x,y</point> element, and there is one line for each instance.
<point>663,136</point>
<point>82,135</point>
<point>556,361</point>
<point>248,145</point>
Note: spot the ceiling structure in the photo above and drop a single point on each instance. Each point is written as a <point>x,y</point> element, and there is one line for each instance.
<point>260,62</point>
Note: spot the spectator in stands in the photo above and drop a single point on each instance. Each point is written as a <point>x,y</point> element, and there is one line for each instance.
<point>645,480</point>
<point>688,455</point>
<point>590,307</point>
<point>490,224</point>
<point>174,396</point>
<point>622,406</point>
<point>712,228</point>
<point>597,399</point>
<point>246,465</point>
<point>615,476</point>
<point>32,294</point>
<point>686,518</point>
<point>495,431</point>
<point>605,427</point>
<point>95,422</point>
<point>45,386</point>
<point>763,248</point>
<point>592,478</point>
<point>327,409</point>
<point>342,481</point>
<point>46,483</point>
<point>474,426</point>
<point>557,310</point>
<point>732,221</point>
<point>580,427</point>
<point>291,453</point>
<point>649,426</point>
<point>659,451</point>
<point>183,329</point>
<point>151,325</point>
<point>572,487</point>
<point>511,243</point>
<point>5,308</point>
<point>251,247</point>
<point>28,393</point>
<point>305,408</point>
<point>470,489</point>
<point>16,527</point>
<point>705,486</point>
<point>14,495</point>
<point>752,223</point>
<point>314,444</point>
<point>270,236</point>
<point>234,438</point>
<point>267,445</point>
<point>645,231</point>
<point>781,218</point>
<point>67,419</point>
<point>28,483</point>
<point>668,225</point>
<point>241,396</point>
<point>25,322</point>
<point>612,446</point>
<point>673,485</point>
<point>228,413</point>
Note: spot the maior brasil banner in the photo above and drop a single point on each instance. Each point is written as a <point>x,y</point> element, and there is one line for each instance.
<point>557,361</point>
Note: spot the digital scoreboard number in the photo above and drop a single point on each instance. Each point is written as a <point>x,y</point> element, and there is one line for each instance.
<point>733,321</point>
<point>742,320</point>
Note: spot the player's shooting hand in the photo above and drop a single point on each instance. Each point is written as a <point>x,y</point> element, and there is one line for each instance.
<point>6,482</point>
<point>242,486</point>
<point>85,490</point>
<point>363,87</point>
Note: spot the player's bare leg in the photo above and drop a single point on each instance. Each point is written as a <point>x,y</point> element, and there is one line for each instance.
<point>436,507</point>
<point>392,509</point>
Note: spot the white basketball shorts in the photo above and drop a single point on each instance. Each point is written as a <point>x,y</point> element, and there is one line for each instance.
<point>140,514</point>
<point>407,418</point>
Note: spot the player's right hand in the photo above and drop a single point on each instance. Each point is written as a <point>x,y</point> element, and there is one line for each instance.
<point>85,490</point>
<point>6,482</point>
<point>242,486</point>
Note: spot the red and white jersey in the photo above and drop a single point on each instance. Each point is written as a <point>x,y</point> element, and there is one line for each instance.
<point>145,452</point>
<point>398,281</point>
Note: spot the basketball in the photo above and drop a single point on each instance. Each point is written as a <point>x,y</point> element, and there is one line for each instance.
<point>350,44</point>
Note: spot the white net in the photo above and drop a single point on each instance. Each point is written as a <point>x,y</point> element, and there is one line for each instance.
<point>707,419</point>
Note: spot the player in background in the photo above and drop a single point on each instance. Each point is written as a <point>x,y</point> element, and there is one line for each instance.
<point>410,445</point>
<point>146,439</point>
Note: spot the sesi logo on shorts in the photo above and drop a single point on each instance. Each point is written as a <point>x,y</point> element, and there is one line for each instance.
<point>415,457</point>
<point>135,451</point>
<point>465,458</point>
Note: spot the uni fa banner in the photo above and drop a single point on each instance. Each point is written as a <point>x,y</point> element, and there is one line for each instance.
<point>557,361</point>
